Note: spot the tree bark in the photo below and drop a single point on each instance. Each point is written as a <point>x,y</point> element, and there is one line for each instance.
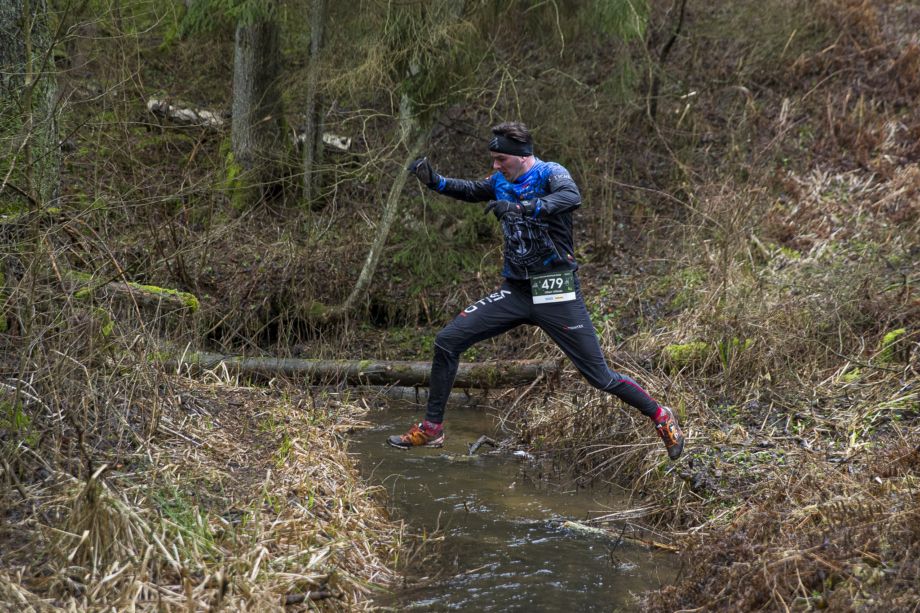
<point>28,88</point>
<point>508,373</point>
<point>29,158</point>
<point>662,58</point>
<point>313,144</point>
<point>257,111</point>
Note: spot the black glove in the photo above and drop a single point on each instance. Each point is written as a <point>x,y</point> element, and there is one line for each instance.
<point>529,207</point>
<point>422,169</point>
<point>502,208</point>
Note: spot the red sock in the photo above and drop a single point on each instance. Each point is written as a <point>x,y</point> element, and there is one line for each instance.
<point>660,416</point>
<point>431,427</point>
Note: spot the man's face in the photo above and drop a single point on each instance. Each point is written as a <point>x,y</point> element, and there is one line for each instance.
<point>511,166</point>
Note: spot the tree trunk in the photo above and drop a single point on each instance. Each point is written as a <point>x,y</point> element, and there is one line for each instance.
<point>313,143</point>
<point>29,154</point>
<point>662,58</point>
<point>257,111</point>
<point>30,160</point>
<point>508,373</point>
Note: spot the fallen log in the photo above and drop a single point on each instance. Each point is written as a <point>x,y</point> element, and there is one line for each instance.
<point>368,372</point>
<point>185,116</point>
<point>144,295</point>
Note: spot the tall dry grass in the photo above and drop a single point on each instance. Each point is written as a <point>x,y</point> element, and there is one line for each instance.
<point>782,327</point>
<point>127,487</point>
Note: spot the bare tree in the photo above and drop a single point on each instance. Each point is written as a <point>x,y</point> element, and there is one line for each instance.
<point>256,127</point>
<point>27,97</point>
<point>29,162</point>
<point>414,125</point>
<point>312,144</point>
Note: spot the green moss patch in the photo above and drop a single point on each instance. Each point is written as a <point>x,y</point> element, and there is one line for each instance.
<point>892,348</point>
<point>679,356</point>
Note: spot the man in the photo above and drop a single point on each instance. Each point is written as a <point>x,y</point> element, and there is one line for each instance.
<point>534,201</point>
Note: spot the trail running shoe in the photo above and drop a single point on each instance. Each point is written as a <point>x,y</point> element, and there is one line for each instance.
<point>670,433</point>
<point>418,436</point>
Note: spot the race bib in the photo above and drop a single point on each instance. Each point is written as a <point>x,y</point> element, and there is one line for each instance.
<point>553,287</point>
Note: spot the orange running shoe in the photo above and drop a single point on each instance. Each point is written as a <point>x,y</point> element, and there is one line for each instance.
<point>670,433</point>
<point>418,436</point>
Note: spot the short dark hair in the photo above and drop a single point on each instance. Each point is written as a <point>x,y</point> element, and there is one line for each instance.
<point>515,130</point>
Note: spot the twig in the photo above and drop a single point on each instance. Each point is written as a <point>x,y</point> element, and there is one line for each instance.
<point>518,399</point>
<point>292,599</point>
<point>482,440</point>
<point>21,192</point>
<point>857,362</point>
<point>15,480</point>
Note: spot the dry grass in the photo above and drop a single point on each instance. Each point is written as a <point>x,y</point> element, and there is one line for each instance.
<point>821,535</point>
<point>798,487</point>
<point>235,498</point>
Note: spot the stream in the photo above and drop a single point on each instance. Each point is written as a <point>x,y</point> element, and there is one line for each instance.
<point>504,548</point>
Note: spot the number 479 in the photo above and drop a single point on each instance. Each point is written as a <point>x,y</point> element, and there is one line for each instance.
<point>554,283</point>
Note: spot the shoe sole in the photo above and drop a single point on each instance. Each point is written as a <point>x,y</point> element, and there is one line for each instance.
<point>434,445</point>
<point>680,450</point>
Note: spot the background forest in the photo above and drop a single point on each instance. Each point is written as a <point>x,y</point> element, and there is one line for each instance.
<point>228,175</point>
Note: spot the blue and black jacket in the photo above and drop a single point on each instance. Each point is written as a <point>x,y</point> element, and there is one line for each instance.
<point>538,243</point>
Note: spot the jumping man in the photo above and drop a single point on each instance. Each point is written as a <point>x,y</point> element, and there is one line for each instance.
<point>534,201</point>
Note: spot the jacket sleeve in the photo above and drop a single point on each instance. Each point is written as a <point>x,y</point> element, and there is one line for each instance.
<point>468,191</point>
<point>562,195</point>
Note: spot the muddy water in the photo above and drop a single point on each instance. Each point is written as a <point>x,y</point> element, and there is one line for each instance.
<point>505,548</point>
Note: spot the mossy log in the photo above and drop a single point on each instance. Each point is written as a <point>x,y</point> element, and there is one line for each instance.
<point>486,375</point>
<point>153,296</point>
<point>143,295</point>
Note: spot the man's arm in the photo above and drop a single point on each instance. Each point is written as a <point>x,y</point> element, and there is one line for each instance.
<point>470,191</point>
<point>563,196</point>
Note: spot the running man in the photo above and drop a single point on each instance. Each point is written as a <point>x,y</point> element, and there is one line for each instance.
<point>534,201</point>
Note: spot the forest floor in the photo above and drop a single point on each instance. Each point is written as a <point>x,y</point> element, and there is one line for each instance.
<point>758,274</point>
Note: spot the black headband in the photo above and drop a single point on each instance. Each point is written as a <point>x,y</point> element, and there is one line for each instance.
<point>503,144</point>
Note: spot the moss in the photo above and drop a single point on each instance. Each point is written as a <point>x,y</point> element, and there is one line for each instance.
<point>790,253</point>
<point>316,311</point>
<point>106,323</point>
<point>189,300</point>
<point>160,357</point>
<point>82,277</point>
<point>891,348</point>
<point>682,355</point>
<point>851,376</point>
<point>235,184</point>
<point>17,423</point>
